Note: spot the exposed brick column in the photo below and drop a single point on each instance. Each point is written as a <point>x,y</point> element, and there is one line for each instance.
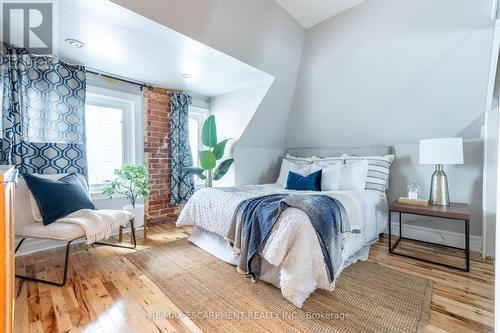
<point>157,160</point>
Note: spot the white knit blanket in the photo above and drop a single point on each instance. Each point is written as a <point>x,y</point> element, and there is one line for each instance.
<point>98,224</point>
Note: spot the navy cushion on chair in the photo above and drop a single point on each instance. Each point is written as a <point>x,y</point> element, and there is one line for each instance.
<point>58,198</point>
<point>304,183</point>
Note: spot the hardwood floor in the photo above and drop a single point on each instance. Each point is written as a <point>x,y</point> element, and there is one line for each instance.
<point>107,293</point>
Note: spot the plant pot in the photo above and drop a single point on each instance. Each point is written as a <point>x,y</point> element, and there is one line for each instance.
<point>138,211</point>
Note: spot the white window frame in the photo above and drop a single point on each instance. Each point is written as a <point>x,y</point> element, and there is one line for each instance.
<point>200,114</point>
<point>133,141</point>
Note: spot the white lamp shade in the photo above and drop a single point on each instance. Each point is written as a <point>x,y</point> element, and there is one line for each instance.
<point>442,151</point>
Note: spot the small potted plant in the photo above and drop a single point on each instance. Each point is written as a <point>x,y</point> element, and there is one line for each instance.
<point>209,170</point>
<point>131,182</point>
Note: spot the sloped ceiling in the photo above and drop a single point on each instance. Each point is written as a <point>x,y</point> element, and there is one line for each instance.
<point>120,42</point>
<point>311,12</point>
<point>263,35</point>
<point>258,32</point>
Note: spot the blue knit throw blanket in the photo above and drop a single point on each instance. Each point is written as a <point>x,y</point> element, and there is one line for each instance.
<point>255,218</point>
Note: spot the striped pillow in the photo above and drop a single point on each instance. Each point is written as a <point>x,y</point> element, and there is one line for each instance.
<point>378,171</point>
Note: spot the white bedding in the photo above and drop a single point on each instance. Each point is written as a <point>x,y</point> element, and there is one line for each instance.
<point>292,257</point>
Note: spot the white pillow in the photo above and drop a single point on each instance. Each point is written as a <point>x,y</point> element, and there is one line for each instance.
<point>287,166</point>
<point>353,176</point>
<point>378,170</point>
<point>330,175</point>
<point>35,211</point>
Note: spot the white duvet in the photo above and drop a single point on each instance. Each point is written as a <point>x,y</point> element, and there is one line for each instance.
<point>293,259</point>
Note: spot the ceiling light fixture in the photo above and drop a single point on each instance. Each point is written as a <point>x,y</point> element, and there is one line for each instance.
<point>75,43</point>
<point>186,76</point>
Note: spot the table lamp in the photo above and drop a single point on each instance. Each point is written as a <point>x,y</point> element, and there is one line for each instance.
<point>440,152</point>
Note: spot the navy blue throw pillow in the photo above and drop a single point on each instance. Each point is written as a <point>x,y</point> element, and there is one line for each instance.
<point>304,183</point>
<point>58,198</point>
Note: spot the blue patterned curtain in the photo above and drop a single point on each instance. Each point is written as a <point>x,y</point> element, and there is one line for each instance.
<point>182,183</point>
<point>43,113</point>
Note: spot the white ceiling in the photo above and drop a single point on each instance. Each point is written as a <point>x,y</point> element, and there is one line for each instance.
<point>120,42</point>
<point>311,12</point>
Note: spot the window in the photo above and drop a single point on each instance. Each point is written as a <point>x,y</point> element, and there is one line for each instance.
<point>113,123</point>
<point>197,117</point>
<point>105,153</point>
<point>194,135</point>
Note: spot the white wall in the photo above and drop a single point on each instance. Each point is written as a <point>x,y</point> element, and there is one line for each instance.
<point>491,133</point>
<point>233,112</point>
<point>258,165</point>
<point>200,101</point>
<point>259,33</point>
<point>391,71</point>
<point>490,181</point>
<point>394,72</point>
<point>108,83</point>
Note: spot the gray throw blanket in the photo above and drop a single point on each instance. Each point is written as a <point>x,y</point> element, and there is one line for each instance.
<point>255,218</point>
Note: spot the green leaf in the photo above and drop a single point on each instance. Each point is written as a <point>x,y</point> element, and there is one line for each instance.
<point>223,168</point>
<point>207,159</point>
<point>132,181</point>
<point>219,149</point>
<point>195,171</point>
<point>209,132</point>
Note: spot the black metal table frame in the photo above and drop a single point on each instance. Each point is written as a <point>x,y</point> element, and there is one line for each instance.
<point>66,258</point>
<point>466,250</point>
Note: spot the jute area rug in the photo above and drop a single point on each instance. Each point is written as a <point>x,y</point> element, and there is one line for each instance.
<point>367,297</point>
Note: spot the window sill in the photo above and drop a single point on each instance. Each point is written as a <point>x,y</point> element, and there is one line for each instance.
<point>98,196</point>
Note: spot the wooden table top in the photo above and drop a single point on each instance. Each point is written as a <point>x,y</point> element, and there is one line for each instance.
<point>456,211</point>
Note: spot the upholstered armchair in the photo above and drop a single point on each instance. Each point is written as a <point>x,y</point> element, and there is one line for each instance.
<point>27,228</point>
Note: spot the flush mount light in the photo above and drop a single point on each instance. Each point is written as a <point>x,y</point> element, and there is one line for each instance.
<point>186,76</point>
<point>75,43</point>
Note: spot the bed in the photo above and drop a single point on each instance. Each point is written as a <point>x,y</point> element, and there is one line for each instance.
<point>292,258</point>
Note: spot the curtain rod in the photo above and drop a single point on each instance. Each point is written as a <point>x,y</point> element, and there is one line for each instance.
<point>111,76</point>
<point>142,85</point>
<point>175,90</point>
<point>98,73</point>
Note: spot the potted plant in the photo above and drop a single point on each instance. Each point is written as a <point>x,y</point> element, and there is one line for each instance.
<point>209,170</point>
<point>131,182</point>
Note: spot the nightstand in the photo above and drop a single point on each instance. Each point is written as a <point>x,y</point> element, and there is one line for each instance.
<point>455,212</point>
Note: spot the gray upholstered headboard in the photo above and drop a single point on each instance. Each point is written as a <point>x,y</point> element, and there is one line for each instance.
<point>336,151</point>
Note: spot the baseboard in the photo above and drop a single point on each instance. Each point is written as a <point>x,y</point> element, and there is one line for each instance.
<point>36,245</point>
<point>437,236</point>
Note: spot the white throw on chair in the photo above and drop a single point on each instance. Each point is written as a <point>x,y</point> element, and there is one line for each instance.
<point>26,227</point>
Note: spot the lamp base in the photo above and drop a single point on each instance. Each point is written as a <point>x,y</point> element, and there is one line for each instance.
<point>439,188</point>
